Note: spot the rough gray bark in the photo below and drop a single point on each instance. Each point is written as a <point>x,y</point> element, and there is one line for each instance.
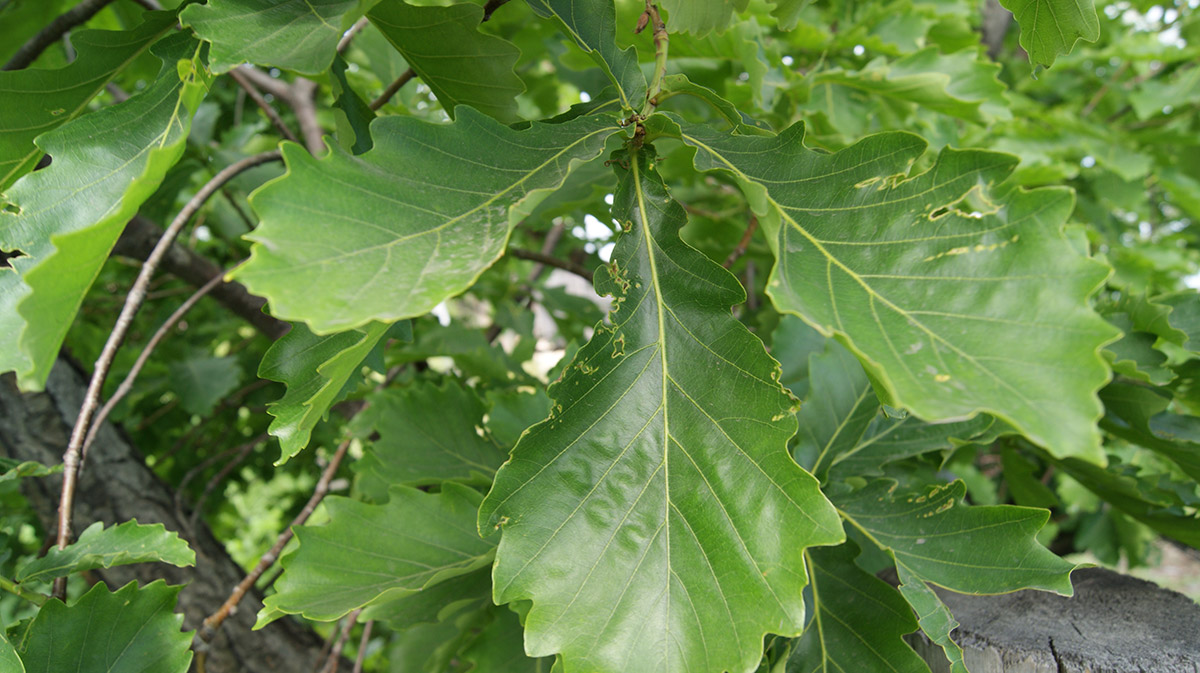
<point>117,486</point>
<point>1113,624</point>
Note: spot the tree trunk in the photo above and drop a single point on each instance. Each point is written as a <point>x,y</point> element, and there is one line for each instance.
<point>115,486</point>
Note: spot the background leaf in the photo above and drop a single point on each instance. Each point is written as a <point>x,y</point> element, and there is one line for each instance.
<point>1050,28</point>
<point>593,24</point>
<point>662,471</point>
<point>100,547</point>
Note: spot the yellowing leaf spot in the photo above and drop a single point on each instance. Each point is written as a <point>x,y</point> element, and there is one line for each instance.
<point>942,378</point>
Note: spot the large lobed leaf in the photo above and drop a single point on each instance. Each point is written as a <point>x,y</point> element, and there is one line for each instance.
<point>593,24</point>
<point>131,630</point>
<point>391,233</point>
<point>37,101</point>
<point>66,218</point>
<point>656,520</point>
<point>367,554</point>
<point>100,547</point>
<point>459,64</point>
<point>1050,28</point>
<point>299,35</point>
<point>958,297</point>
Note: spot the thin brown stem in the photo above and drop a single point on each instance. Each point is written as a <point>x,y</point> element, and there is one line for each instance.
<point>254,94</point>
<point>208,629</point>
<point>740,250</point>
<point>344,43</point>
<point>550,260</point>
<point>127,384</point>
<point>1099,96</point>
<point>362,645</point>
<point>151,5</point>
<point>272,85</point>
<point>392,89</point>
<point>77,15</point>
<point>133,302</point>
<point>304,92</point>
<point>335,655</point>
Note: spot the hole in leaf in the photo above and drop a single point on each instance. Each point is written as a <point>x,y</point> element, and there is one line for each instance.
<point>6,256</point>
<point>938,213</point>
<point>45,161</point>
<point>11,208</point>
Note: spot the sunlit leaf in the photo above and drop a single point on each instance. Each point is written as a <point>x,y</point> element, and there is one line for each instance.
<point>11,468</point>
<point>37,100</point>
<point>299,35</point>
<point>65,219</point>
<point>1050,28</point>
<point>100,547</point>
<point>459,64</point>
<point>316,370</point>
<point>656,516</point>
<point>129,631</point>
<point>958,297</point>
<point>388,235</point>
<point>413,541</point>
<point>701,17</point>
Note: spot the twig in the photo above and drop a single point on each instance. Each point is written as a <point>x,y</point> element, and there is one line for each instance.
<point>151,5</point>
<point>126,385</point>
<point>208,629</point>
<point>47,36</point>
<point>344,43</point>
<point>133,302</point>
<point>744,243</point>
<point>550,260</point>
<point>263,105</point>
<point>331,664</point>
<point>392,89</point>
<point>276,87</point>
<point>304,92</point>
<point>242,452</point>
<point>366,639</point>
<point>1091,104</point>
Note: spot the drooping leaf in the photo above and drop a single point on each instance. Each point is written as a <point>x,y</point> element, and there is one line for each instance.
<point>593,24</point>
<point>701,17</point>
<point>946,308</point>
<point>129,631</point>
<point>201,382</point>
<point>11,468</point>
<point>939,539</point>
<point>37,101</point>
<point>1050,28</point>
<point>370,553</point>
<point>298,35</point>
<point>959,85</point>
<point>1139,414</point>
<point>857,622</point>
<point>459,64</point>
<point>100,547</point>
<point>415,450</point>
<point>673,85</point>
<point>390,234</point>
<point>656,517</point>
<point>65,219</point>
<point>315,370</point>
<point>933,616</point>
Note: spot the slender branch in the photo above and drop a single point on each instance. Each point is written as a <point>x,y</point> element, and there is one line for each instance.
<point>31,596</point>
<point>392,89</point>
<point>151,5</point>
<point>744,243</point>
<point>133,302</point>
<point>262,104</point>
<point>276,87</point>
<point>366,639</point>
<point>344,43</point>
<point>550,260</point>
<point>661,43</point>
<point>304,93</point>
<point>1091,104</point>
<point>208,629</point>
<point>143,357</point>
<point>331,664</point>
<point>47,36</point>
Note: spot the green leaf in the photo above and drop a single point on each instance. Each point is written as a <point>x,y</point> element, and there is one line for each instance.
<point>390,234</point>
<point>413,451</point>
<point>1139,414</point>
<point>1050,28</point>
<point>1184,316</point>
<point>459,64</point>
<point>838,410</point>
<point>65,219</point>
<point>858,622</point>
<point>370,553</point>
<point>1153,96</point>
<point>11,468</point>
<point>933,616</point>
<point>593,24</point>
<point>316,370</point>
<point>130,631</point>
<point>511,411</point>
<point>946,308</point>
<point>353,114</point>
<point>701,17</point>
<point>202,382</point>
<point>939,539</point>
<point>498,648</point>
<point>100,547</point>
<point>446,600</point>
<point>298,35</point>
<point>1134,354</point>
<point>37,101</point>
<point>9,661</point>
<point>656,516</point>
<point>959,85</point>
